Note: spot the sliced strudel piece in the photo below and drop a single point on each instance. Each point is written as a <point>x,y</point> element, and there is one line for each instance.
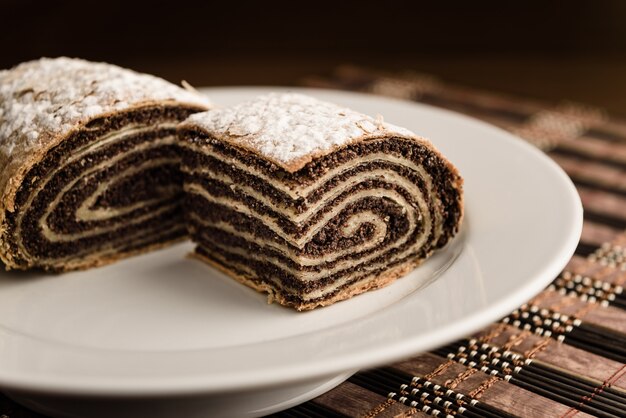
<point>88,163</point>
<point>311,202</point>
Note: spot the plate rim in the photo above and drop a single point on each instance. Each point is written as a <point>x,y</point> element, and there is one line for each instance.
<point>399,349</point>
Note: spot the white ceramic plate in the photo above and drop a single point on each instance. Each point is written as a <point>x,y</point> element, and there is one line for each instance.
<point>163,325</point>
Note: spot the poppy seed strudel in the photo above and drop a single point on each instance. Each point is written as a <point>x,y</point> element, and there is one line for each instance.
<point>311,202</point>
<point>88,163</point>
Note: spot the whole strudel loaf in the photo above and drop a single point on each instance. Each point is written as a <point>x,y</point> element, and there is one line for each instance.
<point>88,163</point>
<point>311,202</point>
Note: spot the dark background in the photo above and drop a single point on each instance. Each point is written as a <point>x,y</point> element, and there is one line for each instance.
<point>549,49</point>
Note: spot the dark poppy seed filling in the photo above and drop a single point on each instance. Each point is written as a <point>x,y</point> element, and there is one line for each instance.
<point>309,234</point>
<point>111,189</point>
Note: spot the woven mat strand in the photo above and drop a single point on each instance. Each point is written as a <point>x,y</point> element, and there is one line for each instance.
<point>563,353</point>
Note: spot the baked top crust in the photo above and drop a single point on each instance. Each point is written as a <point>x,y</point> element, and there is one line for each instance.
<point>291,129</point>
<point>43,101</point>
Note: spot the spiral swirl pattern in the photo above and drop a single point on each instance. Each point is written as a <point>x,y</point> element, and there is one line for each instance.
<point>111,189</point>
<point>352,220</point>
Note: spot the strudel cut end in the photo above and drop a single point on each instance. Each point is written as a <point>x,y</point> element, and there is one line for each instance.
<point>88,163</point>
<point>311,202</point>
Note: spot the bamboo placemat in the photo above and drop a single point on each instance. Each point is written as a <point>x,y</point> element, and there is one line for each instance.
<point>563,353</point>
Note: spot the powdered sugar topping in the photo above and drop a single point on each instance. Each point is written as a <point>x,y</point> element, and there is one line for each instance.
<point>289,126</point>
<point>44,98</point>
